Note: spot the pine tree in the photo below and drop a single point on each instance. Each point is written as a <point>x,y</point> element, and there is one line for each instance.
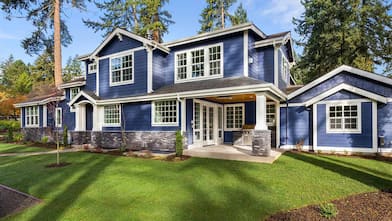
<point>240,16</point>
<point>215,15</point>
<point>336,32</point>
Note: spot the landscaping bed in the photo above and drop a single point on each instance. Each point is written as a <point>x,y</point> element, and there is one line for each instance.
<point>365,206</point>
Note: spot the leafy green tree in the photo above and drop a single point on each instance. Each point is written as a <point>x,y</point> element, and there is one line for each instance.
<point>12,70</point>
<point>215,15</point>
<point>72,69</point>
<point>336,32</point>
<point>142,17</point>
<point>240,16</point>
<point>43,69</point>
<point>23,84</point>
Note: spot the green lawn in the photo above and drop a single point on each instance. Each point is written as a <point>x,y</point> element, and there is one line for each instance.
<point>17,148</point>
<point>102,187</point>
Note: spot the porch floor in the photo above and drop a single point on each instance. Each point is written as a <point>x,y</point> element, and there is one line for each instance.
<point>227,152</point>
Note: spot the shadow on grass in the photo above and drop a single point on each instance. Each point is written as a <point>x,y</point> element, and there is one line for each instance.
<point>355,174</point>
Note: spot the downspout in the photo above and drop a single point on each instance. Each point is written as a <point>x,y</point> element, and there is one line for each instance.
<point>287,121</point>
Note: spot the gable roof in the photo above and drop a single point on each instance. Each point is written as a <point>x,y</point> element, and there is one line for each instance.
<point>41,100</point>
<point>77,82</point>
<point>89,95</point>
<point>281,38</point>
<point>118,32</point>
<point>217,33</point>
<point>337,71</point>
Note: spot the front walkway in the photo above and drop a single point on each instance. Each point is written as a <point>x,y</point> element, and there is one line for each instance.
<point>226,152</point>
<point>41,153</point>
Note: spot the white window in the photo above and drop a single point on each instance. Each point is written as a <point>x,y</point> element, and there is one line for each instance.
<point>73,92</point>
<point>234,116</point>
<point>271,111</point>
<point>92,68</point>
<point>59,117</point>
<point>199,63</point>
<point>343,118</point>
<point>121,70</point>
<point>112,115</point>
<point>284,68</point>
<point>32,116</point>
<point>164,113</point>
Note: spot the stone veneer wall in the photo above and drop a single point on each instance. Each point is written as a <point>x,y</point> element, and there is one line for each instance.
<point>135,140</point>
<point>264,145</point>
<point>36,134</point>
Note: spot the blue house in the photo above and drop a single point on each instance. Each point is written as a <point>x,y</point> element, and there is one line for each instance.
<point>221,87</point>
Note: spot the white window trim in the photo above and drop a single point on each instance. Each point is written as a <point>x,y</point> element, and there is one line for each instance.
<point>70,92</point>
<point>111,124</point>
<point>159,124</point>
<point>225,116</point>
<point>58,124</point>
<point>206,64</point>
<point>274,114</point>
<point>284,62</point>
<point>343,130</point>
<point>89,69</point>
<point>119,55</point>
<point>25,113</point>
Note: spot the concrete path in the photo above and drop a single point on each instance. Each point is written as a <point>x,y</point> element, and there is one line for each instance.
<point>41,153</point>
<point>226,152</point>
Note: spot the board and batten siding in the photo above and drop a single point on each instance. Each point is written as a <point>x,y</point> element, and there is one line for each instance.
<point>385,123</point>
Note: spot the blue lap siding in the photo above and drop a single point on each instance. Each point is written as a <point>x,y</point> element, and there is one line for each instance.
<point>295,126</point>
<point>115,46</point>
<point>263,64</point>
<point>385,123</point>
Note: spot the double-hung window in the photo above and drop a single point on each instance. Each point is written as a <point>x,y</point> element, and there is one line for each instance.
<point>164,113</point>
<point>73,92</point>
<point>32,116</point>
<point>59,117</point>
<point>271,114</point>
<point>121,69</point>
<point>344,118</point>
<point>234,116</point>
<point>112,115</point>
<point>92,68</point>
<point>199,63</point>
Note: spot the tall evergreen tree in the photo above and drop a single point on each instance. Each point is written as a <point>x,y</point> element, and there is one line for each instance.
<point>240,16</point>
<point>72,69</point>
<point>215,15</point>
<point>143,17</point>
<point>336,32</point>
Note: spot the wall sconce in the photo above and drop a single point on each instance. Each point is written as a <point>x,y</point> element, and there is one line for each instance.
<point>250,59</point>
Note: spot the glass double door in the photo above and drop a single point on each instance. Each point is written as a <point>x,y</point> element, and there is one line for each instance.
<point>208,129</point>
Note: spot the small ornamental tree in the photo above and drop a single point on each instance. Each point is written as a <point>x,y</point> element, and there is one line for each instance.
<point>54,128</point>
<point>179,144</point>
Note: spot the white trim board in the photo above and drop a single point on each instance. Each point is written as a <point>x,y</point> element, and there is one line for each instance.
<point>349,88</point>
<point>82,93</point>
<point>73,84</point>
<point>41,102</point>
<point>336,71</point>
<point>246,53</point>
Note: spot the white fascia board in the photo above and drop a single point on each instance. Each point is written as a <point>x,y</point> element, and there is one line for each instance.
<point>336,71</point>
<point>195,94</point>
<point>221,32</point>
<point>81,93</point>
<point>73,84</point>
<point>41,102</point>
<point>119,31</point>
<point>349,88</point>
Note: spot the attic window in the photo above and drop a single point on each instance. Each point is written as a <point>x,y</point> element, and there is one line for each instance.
<point>92,68</point>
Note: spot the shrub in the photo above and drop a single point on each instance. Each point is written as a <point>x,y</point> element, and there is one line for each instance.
<point>179,144</point>
<point>10,126</point>
<point>65,136</point>
<point>44,139</point>
<point>18,137</point>
<point>10,135</point>
<point>328,210</point>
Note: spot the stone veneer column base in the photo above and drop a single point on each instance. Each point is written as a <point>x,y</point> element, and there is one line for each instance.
<point>261,145</point>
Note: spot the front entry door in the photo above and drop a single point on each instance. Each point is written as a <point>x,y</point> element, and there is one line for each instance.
<point>206,123</point>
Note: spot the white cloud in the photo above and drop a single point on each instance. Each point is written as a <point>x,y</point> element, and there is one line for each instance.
<point>282,11</point>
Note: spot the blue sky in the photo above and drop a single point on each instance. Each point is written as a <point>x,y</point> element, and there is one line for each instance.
<point>271,16</point>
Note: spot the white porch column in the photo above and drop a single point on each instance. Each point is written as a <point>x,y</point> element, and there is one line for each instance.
<point>77,117</point>
<point>261,112</point>
<point>183,115</point>
<point>80,117</point>
<point>95,118</point>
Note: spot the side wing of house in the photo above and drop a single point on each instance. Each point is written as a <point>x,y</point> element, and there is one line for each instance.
<point>346,110</point>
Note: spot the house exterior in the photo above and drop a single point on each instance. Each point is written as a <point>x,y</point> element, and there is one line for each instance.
<point>222,87</point>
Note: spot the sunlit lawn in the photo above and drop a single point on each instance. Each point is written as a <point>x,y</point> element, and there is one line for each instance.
<point>101,187</point>
<point>17,148</point>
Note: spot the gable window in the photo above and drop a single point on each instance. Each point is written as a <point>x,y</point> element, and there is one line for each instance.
<point>164,113</point>
<point>234,116</point>
<point>199,63</point>
<point>32,116</point>
<point>343,118</point>
<point>92,68</point>
<point>59,117</point>
<point>270,114</point>
<point>121,70</point>
<point>112,115</point>
<point>73,92</point>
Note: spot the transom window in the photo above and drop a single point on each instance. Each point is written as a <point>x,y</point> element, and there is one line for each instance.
<point>121,70</point>
<point>73,92</point>
<point>164,113</point>
<point>92,68</point>
<point>32,116</point>
<point>199,63</point>
<point>59,117</point>
<point>343,118</point>
<point>271,114</point>
<point>234,116</point>
<point>112,115</point>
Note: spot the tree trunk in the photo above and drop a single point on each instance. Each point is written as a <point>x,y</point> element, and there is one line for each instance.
<point>223,15</point>
<point>57,44</point>
<point>156,36</point>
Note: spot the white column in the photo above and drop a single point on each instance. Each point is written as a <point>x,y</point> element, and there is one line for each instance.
<point>261,112</point>
<point>77,118</point>
<point>95,118</point>
<point>45,116</point>
<point>277,122</point>
<point>183,115</point>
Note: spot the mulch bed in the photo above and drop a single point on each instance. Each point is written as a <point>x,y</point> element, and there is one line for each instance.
<point>55,165</point>
<point>12,201</point>
<point>365,206</point>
